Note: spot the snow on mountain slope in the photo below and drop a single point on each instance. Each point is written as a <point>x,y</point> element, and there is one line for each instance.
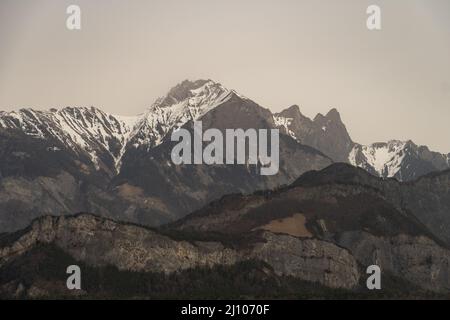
<point>285,123</point>
<point>383,158</point>
<point>128,124</point>
<point>402,160</point>
<point>105,138</point>
<point>101,135</point>
<point>81,129</point>
<point>185,102</point>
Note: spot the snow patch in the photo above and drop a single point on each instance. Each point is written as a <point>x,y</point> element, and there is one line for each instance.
<point>283,122</point>
<point>385,158</point>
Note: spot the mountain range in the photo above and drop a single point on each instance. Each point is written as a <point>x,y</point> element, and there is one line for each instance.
<point>403,160</point>
<point>334,208</point>
<point>84,159</point>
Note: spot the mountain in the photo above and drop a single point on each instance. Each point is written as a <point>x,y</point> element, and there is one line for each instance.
<point>149,177</point>
<point>402,160</point>
<point>83,159</point>
<point>88,132</point>
<point>325,133</point>
<point>310,231</point>
<point>137,249</point>
<point>381,222</point>
<point>426,198</point>
<point>397,159</point>
<point>185,102</point>
<point>311,239</point>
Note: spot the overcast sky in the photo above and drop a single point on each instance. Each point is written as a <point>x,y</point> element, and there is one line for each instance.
<point>388,84</point>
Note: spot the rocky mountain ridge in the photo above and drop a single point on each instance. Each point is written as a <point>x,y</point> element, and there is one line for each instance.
<point>135,248</point>
<point>323,229</point>
<point>105,138</point>
<point>402,160</point>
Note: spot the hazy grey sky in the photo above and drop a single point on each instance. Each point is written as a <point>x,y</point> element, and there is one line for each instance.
<point>393,83</point>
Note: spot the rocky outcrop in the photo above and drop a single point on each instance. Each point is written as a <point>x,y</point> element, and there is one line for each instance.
<point>101,242</point>
<point>309,259</point>
<point>325,133</point>
<point>418,259</point>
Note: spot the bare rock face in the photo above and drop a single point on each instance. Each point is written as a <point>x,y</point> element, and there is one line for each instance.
<point>100,242</point>
<point>316,260</point>
<point>418,259</point>
<point>325,133</point>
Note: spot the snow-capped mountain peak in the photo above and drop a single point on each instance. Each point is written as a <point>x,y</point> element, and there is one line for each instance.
<point>192,93</point>
<point>102,140</point>
<point>187,101</point>
<point>105,137</point>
